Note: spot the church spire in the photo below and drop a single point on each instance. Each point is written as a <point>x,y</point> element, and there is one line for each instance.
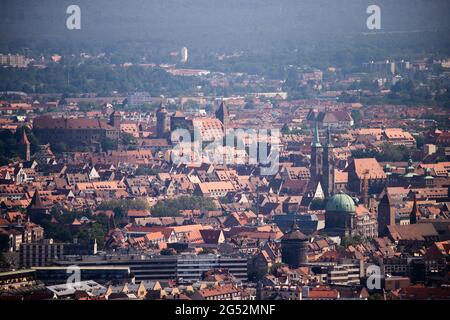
<point>36,201</point>
<point>415,211</point>
<point>316,141</point>
<point>222,115</point>
<point>316,162</point>
<point>329,140</point>
<point>25,147</point>
<point>328,166</point>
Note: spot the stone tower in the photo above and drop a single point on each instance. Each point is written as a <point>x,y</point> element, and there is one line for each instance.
<point>294,247</point>
<point>386,214</point>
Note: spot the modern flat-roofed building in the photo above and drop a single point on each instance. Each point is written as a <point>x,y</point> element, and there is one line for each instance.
<point>184,268</point>
<point>40,253</point>
<point>101,274</point>
<point>44,253</point>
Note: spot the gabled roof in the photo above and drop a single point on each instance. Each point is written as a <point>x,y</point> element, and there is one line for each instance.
<point>294,234</point>
<point>412,232</point>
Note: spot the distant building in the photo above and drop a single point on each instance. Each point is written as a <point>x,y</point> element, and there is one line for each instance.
<point>19,280</point>
<point>331,118</point>
<point>315,76</point>
<point>368,169</point>
<point>14,60</point>
<point>224,292</point>
<point>79,131</point>
<point>40,253</point>
<point>56,274</point>
<point>344,274</point>
<point>45,252</point>
<point>184,55</point>
<point>140,98</point>
<point>380,67</point>
<point>185,268</point>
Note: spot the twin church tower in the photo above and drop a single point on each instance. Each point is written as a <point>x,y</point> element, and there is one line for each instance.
<point>322,162</point>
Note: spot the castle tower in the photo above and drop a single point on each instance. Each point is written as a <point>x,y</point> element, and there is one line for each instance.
<point>162,122</point>
<point>115,119</point>
<point>328,166</point>
<point>25,147</point>
<point>316,164</point>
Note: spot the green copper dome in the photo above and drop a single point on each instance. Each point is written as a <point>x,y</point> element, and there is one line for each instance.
<point>341,203</point>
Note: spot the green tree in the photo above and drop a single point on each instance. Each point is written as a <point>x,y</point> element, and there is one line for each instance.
<point>128,140</point>
<point>351,241</point>
<point>121,207</point>
<point>171,207</point>
<point>108,144</point>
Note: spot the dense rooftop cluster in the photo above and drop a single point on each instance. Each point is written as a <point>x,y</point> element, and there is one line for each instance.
<point>357,188</point>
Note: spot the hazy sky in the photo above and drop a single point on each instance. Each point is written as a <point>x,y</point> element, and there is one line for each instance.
<point>214,21</point>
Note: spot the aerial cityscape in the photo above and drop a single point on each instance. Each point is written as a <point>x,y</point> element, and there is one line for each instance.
<point>225,150</point>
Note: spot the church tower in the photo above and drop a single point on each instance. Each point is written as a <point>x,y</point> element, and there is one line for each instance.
<point>328,166</point>
<point>365,189</point>
<point>386,214</point>
<point>316,164</point>
<point>415,211</point>
<point>25,147</point>
<point>223,116</point>
<point>162,122</point>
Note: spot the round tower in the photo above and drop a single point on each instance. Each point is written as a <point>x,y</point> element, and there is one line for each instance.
<point>294,247</point>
